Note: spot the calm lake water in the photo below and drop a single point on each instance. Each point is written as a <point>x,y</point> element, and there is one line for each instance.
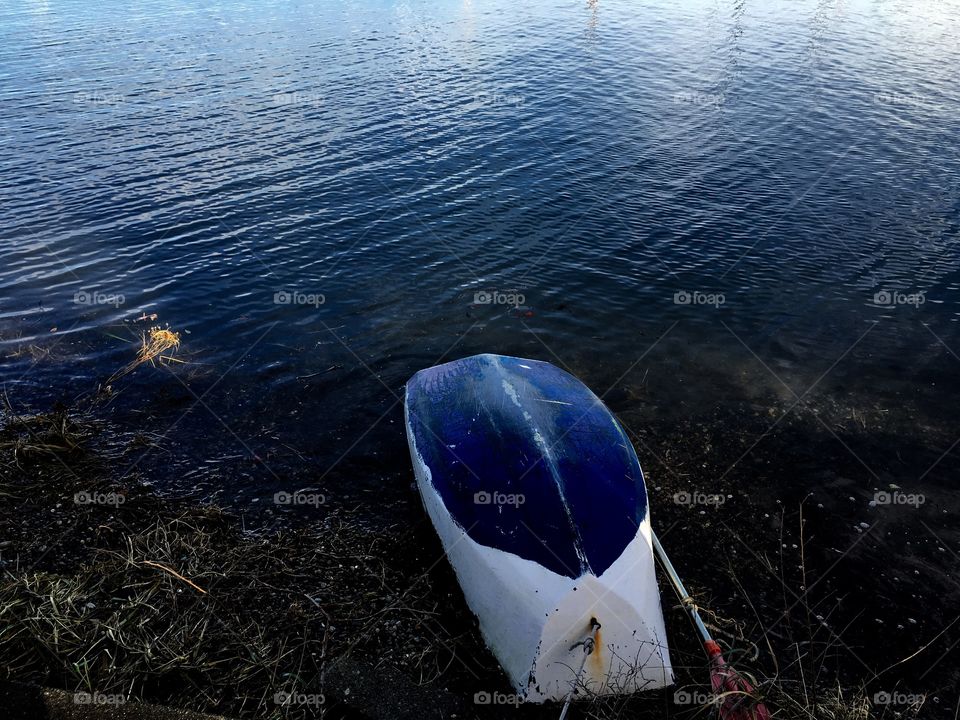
<point>714,202</point>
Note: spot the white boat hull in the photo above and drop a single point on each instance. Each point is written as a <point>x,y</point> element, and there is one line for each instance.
<point>533,618</point>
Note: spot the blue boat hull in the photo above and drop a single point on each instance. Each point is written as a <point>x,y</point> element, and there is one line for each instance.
<point>539,501</point>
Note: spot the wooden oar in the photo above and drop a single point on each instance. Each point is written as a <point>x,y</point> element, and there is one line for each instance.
<point>733,694</point>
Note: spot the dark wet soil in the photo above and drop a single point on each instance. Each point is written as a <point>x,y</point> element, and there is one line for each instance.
<point>809,582</point>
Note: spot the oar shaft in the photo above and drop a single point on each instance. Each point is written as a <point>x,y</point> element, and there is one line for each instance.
<point>736,696</point>
<point>677,583</point>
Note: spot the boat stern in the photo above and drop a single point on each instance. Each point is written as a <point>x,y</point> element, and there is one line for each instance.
<point>630,651</point>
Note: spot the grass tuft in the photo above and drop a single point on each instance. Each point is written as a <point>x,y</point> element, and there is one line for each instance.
<point>154,346</point>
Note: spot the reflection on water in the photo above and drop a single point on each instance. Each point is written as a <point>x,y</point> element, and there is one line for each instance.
<point>315,196</point>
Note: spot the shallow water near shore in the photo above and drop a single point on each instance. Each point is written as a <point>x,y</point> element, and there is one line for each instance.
<point>736,223</point>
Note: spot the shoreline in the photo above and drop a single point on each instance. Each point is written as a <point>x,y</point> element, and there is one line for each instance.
<point>371,618</point>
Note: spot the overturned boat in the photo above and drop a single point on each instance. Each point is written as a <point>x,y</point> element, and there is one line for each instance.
<point>539,501</point>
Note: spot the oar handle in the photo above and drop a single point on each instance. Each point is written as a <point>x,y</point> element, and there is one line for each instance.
<point>688,604</point>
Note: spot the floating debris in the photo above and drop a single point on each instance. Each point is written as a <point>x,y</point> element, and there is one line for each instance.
<point>154,346</point>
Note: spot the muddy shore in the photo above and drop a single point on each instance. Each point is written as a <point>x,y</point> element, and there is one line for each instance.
<point>839,604</point>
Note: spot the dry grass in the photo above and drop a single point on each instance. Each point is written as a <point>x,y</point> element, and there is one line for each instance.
<point>155,344</point>
<point>58,433</point>
<point>35,352</point>
<point>173,603</point>
<point>119,626</point>
<point>188,613</point>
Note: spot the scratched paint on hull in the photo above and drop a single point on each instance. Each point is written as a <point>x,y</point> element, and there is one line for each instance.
<point>494,427</point>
